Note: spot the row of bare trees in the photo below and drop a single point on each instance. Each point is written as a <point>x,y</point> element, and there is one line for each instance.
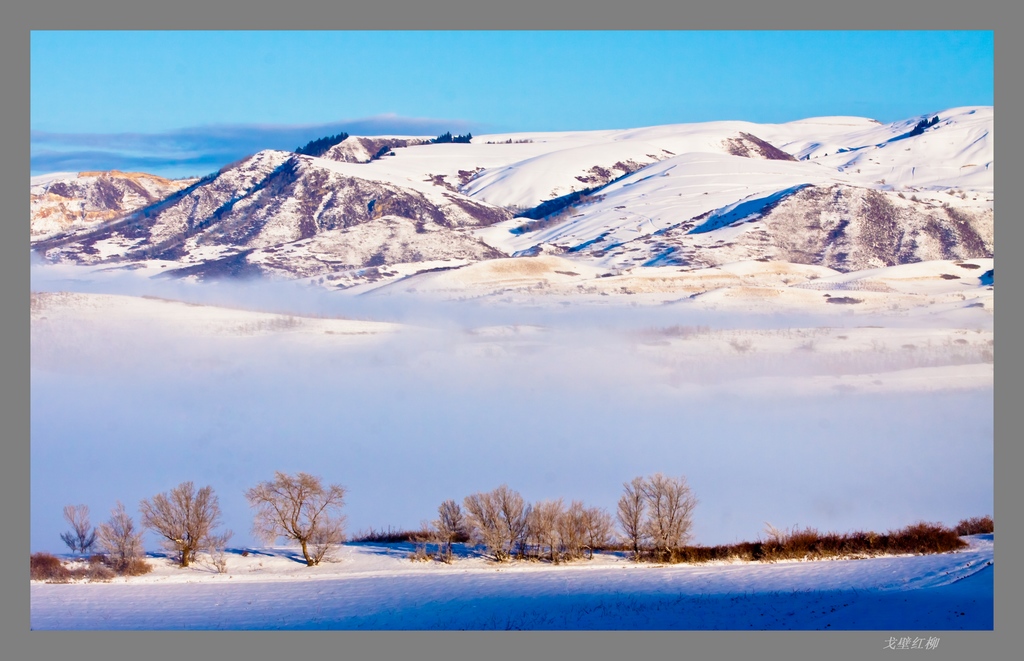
<point>298,508</point>
<point>184,517</point>
<point>510,527</point>
<point>655,515</point>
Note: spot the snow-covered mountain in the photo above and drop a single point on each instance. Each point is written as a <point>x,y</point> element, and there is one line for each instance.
<point>845,193</point>
<point>298,215</point>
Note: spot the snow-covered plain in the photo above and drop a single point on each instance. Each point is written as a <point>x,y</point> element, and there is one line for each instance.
<point>376,586</point>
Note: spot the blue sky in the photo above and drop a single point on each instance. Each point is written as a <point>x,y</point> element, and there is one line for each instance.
<point>191,101</point>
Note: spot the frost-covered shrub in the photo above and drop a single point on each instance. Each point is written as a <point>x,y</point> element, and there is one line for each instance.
<point>121,543</point>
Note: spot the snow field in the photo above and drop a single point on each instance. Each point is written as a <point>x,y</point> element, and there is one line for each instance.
<point>375,586</point>
<point>761,287</point>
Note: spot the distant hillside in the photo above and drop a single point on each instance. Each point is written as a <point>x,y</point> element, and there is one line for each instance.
<point>67,201</point>
<point>845,193</point>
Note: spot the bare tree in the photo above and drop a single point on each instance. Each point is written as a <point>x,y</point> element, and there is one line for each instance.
<point>670,505</point>
<point>498,519</point>
<point>82,535</point>
<point>485,523</point>
<point>302,509</point>
<point>542,524</point>
<point>598,526</point>
<point>631,513</point>
<point>450,525</point>
<point>185,518</point>
<point>513,511</point>
<point>572,530</point>
<point>120,540</point>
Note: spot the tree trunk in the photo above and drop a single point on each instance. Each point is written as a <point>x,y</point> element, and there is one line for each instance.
<point>305,554</point>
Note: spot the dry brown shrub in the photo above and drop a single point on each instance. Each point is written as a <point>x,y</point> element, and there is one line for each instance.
<point>49,568</point>
<point>977,525</point>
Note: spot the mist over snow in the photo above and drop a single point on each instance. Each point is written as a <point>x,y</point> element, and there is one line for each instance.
<point>458,397</point>
<point>296,297</point>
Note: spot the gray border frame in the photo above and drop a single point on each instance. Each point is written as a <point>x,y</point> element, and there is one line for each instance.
<point>465,14</point>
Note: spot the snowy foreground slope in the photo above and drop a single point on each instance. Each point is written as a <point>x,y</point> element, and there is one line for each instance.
<point>372,586</point>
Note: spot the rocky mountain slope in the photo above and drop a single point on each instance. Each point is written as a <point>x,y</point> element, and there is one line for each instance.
<point>285,213</point>
<point>845,228</point>
<point>65,201</point>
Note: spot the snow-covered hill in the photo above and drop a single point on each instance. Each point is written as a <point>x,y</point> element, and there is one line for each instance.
<point>840,192</point>
<point>954,152</point>
<point>278,202</point>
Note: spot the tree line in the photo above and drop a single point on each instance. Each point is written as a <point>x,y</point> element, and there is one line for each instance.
<point>299,508</point>
<point>653,520</point>
<point>655,515</point>
<point>447,137</point>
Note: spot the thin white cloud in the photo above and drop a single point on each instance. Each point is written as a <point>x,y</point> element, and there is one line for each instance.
<point>202,149</point>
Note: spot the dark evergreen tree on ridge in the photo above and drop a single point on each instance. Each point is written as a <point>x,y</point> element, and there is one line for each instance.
<point>320,146</point>
<point>924,124</point>
<point>447,137</point>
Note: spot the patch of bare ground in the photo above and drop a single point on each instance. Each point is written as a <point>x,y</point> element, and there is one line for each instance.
<point>849,229</point>
<point>751,146</point>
